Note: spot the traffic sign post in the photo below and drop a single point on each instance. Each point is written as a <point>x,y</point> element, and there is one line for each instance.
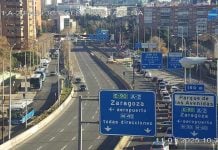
<point>125,112</point>
<point>194,87</point>
<point>151,60</point>
<point>173,60</point>
<point>194,115</point>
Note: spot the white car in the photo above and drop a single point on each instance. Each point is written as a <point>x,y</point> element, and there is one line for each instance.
<point>166,99</point>
<point>164,93</point>
<point>168,133</point>
<point>159,145</point>
<point>174,89</point>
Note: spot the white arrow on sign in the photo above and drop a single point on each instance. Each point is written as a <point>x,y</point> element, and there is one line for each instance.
<point>107,128</point>
<point>147,130</point>
<point>194,133</point>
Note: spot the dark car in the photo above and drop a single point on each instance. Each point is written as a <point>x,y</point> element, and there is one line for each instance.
<point>82,87</point>
<point>77,80</point>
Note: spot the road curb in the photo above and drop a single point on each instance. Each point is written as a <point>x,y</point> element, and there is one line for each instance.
<point>42,124</point>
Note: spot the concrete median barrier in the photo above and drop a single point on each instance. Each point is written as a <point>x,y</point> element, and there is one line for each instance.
<point>31,131</point>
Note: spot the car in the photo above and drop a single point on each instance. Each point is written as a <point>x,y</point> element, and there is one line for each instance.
<point>82,87</point>
<point>148,75</point>
<point>168,133</point>
<point>162,83</point>
<point>174,89</point>
<point>166,99</point>
<point>164,125</point>
<point>52,73</point>
<point>173,142</point>
<point>154,79</point>
<point>162,87</point>
<point>78,80</point>
<point>164,93</point>
<point>159,145</point>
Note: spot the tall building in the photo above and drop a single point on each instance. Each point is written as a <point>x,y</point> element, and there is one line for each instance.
<point>19,21</point>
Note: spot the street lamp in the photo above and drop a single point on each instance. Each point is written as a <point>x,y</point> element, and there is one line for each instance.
<point>9,126</point>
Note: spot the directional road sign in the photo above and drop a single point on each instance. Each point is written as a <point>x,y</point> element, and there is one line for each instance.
<point>173,60</point>
<point>151,60</point>
<point>194,115</point>
<point>125,112</point>
<point>194,87</point>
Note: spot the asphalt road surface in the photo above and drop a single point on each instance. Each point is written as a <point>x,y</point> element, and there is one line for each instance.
<point>62,132</point>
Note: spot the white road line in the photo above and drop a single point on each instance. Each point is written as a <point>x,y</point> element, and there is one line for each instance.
<point>75,117</point>
<point>96,112</point>
<point>51,139</point>
<point>73,138</point>
<point>65,146</point>
<point>40,147</point>
<point>90,146</point>
<point>93,116</point>
<point>69,123</point>
<point>61,130</point>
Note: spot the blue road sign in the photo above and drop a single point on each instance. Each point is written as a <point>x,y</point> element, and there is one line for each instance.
<point>151,60</point>
<point>125,112</point>
<point>173,60</point>
<point>194,115</point>
<point>137,46</point>
<point>194,87</point>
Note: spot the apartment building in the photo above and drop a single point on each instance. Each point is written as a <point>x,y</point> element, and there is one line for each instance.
<point>19,21</point>
<point>182,20</point>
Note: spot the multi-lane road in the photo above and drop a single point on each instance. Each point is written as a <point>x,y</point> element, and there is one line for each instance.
<point>62,133</point>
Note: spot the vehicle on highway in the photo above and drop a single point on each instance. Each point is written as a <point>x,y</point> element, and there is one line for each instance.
<point>163,93</point>
<point>173,142</point>
<point>174,89</point>
<point>164,125</point>
<point>78,80</point>
<point>82,87</point>
<point>154,79</point>
<point>53,73</point>
<point>148,75</point>
<point>36,81</point>
<point>167,98</point>
<point>18,111</point>
<point>159,145</point>
<point>168,133</point>
<point>41,71</point>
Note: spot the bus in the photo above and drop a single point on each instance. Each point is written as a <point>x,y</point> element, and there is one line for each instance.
<point>36,81</point>
<point>19,115</point>
<point>41,71</point>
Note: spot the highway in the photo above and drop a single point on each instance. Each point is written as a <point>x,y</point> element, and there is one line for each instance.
<point>62,133</point>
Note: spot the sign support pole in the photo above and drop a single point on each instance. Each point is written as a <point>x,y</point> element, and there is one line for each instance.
<point>79,124</point>
<point>80,121</point>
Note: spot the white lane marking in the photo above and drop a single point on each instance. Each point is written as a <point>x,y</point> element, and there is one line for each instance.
<point>93,116</point>
<point>69,123</point>
<point>96,112</point>
<point>51,139</point>
<point>75,117</point>
<point>65,146</point>
<point>73,138</point>
<point>40,147</point>
<point>90,146</point>
<point>92,73</point>
<point>61,130</point>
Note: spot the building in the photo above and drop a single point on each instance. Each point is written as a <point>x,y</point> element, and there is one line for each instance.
<point>183,20</point>
<point>19,21</point>
<point>61,22</point>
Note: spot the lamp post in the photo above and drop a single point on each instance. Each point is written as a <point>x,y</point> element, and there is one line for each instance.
<point>9,126</point>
